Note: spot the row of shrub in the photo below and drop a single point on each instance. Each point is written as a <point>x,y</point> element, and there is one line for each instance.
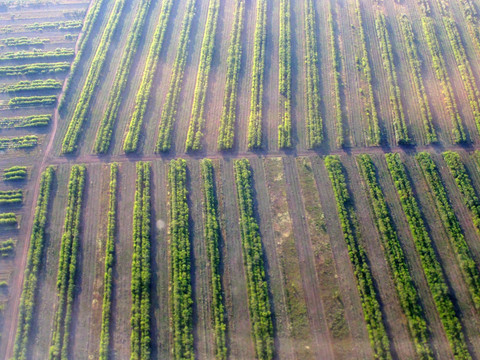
<point>450,221</point>
<point>181,302</point>
<point>169,110</point>
<point>431,266</point>
<point>24,41</point>
<point>23,101</point>
<point>7,248</point>
<point>285,77</point>
<point>18,142</point>
<point>234,61</point>
<point>67,265</point>
<point>15,173</point>
<point>257,287</point>
<point>254,136</point>
<point>8,219</point>
<point>141,267</point>
<point>9,197</point>
<point>358,257</point>
<point>35,85</point>
<point>472,21</point>
<point>70,140</point>
<point>25,121</point>
<point>36,54</point>
<point>109,264</point>
<point>440,68</point>
<point>416,71</point>
<point>34,69</point>
<point>105,130</point>
<point>212,239</point>
<point>56,25</point>
<point>197,118</point>
<point>28,299</point>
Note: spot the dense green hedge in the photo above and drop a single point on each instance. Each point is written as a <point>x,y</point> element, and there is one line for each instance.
<point>56,54</point>
<point>14,173</point>
<point>35,85</point>
<point>7,219</point>
<point>23,101</point>
<point>358,257</point>
<point>431,267</point>
<point>30,69</point>
<point>285,77</point>
<point>25,121</point>
<point>67,265</point>
<point>19,142</point>
<point>7,248</point>
<point>9,197</point>
<point>34,261</point>
<point>257,287</point>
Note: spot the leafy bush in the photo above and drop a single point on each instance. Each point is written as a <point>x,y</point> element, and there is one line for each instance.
<point>37,68</point>
<point>8,219</point>
<point>25,121</point>
<point>14,173</point>
<point>24,41</point>
<point>35,85</point>
<point>9,197</point>
<point>57,25</point>
<point>23,101</point>
<point>19,142</point>
<point>7,248</point>
<point>38,54</point>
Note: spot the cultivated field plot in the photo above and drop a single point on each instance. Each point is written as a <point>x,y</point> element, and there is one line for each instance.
<point>232,179</point>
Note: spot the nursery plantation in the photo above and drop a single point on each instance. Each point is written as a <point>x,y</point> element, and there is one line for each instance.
<point>240,179</point>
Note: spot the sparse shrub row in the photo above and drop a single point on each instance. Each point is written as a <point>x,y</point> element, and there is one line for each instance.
<point>70,140</point>
<point>36,54</point>
<point>212,239</point>
<point>24,41</point>
<point>406,291</point>
<point>34,261</point>
<point>18,142</point>
<point>285,77</point>
<point>440,68</point>
<point>7,248</point>
<point>9,197</point>
<point>197,119</point>
<point>109,263</point>
<point>35,85</point>
<point>399,125</point>
<point>314,123</point>
<point>181,302</point>
<point>105,130</point>
<point>31,69</point>
<point>358,257</point>
<point>67,265</point>
<point>258,68</point>
<point>169,110</point>
<point>257,287</point>
<point>416,71</point>
<point>431,267</point>
<point>8,219</point>
<point>57,25</point>
<point>449,219</point>
<point>15,173</point>
<point>141,267</point>
<point>471,17</point>
<point>234,62</point>
<point>25,121</point>
<point>23,101</point>
<point>424,6</point>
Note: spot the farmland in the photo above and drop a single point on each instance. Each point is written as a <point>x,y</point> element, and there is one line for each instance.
<point>206,179</point>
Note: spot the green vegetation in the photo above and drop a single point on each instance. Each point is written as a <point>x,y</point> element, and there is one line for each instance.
<point>358,257</point>
<point>24,41</point>
<point>70,140</point>
<point>285,77</point>
<point>440,68</point>
<point>197,119</point>
<point>256,101</point>
<point>15,173</point>
<point>141,268</point>
<point>31,69</point>
<point>109,263</point>
<point>34,261</point>
<point>471,16</point>
<point>104,133</point>
<point>25,121</point>
<point>9,197</point>
<point>35,85</point>
<point>169,110</point>
<point>416,71</point>
<point>257,287</point>
<point>449,219</point>
<point>399,125</point>
<point>36,54</point>
<point>19,142</point>
<point>431,266</point>
<point>59,25</point>
<point>181,302</point>
<point>8,219</point>
<point>67,265</point>
<point>234,62</point>
<point>7,248</point>
<point>23,101</point>
<point>212,239</point>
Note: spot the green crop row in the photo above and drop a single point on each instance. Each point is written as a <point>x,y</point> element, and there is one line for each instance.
<point>212,239</point>
<point>314,123</point>
<point>34,260</point>
<point>181,303</point>
<point>25,121</point>
<point>472,20</point>
<point>70,140</point>
<point>35,85</point>
<point>9,197</point>
<point>37,68</point>
<point>440,68</point>
<point>285,77</point>
<point>15,173</point>
<point>22,101</point>
<point>234,62</point>
<point>19,142</point>
<point>431,266</point>
<point>104,132</point>
<point>55,25</point>
<point>24,41</point>
<point>406,291</point>
<point>67,265</point>
<point>416,71</point>
<point>38,54</point>
<point>7,248</point>
<point>169,110</point>
<point>399,125</point>
<point>197,118</point>
<point>141,267</point>
<point>8,219</point>
<point>358,257</point>
<point>449,219</point>
<point>257,287</point>
<point>258,68</point>
<point>109,263</point>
